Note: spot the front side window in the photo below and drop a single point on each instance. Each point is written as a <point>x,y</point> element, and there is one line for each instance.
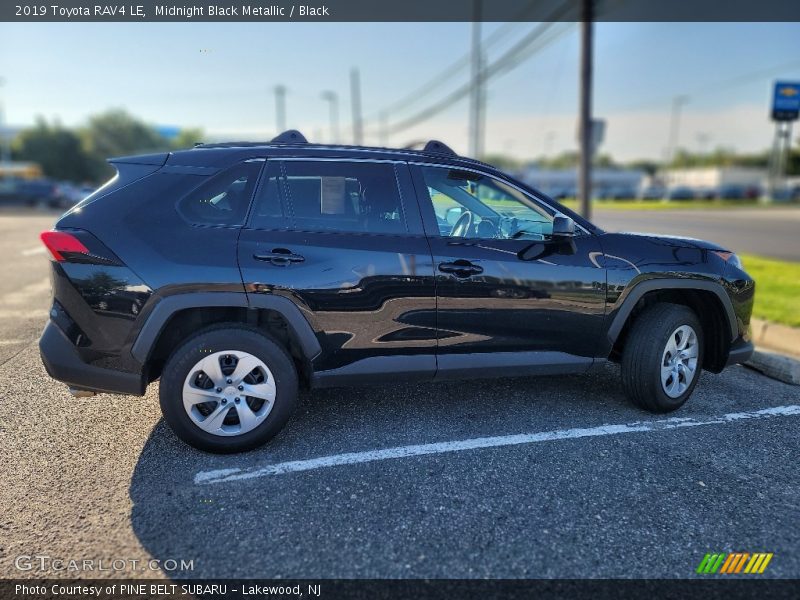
<point>471,205</point>
<point>224,198</point>
<point>336,196</point>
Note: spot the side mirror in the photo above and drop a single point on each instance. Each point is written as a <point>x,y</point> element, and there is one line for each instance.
<point>453,214</point>
<point>563,227</point>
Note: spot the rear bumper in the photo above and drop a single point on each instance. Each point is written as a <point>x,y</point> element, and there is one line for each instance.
<point>741,352</point>
<point>63,363</point>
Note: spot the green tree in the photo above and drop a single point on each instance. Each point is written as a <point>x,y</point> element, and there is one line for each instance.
<point>117,133</point>
<point>186,138</point>
<point>502,161</point>
<point>56,149</point>
<point>565,160</point>
<point>719,157</point>
<point>604,161</point>
<point>647,166</point>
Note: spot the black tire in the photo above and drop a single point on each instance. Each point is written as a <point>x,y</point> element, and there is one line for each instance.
<point>218,338</point>
<point>644,351</point>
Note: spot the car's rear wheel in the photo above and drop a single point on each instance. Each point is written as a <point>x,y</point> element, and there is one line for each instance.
<point>228,388</point>
<point>662,357</point>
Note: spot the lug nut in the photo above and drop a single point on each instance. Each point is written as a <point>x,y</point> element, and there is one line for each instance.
<point>241,387</point>
<point>236,400</point>
<point>219,390</point>
<point>224,400</point>
<point>230,380</point>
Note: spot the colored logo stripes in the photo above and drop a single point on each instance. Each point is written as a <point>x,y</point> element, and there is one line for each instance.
<point>735,562</point>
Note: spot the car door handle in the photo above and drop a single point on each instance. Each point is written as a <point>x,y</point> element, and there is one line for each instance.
<point>280,257</point>
<point>460,268</point>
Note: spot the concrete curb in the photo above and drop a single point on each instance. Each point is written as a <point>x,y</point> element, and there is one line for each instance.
<point>772,336</point>
<point>776,366</point>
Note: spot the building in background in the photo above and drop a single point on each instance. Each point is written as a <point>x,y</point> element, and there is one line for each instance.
<point>715,177</point>
<point>718,182</point>
<point>617,184</point>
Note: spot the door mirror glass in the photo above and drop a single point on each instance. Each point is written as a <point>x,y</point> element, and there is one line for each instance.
<point>453,214</point>
<point>563,227</point>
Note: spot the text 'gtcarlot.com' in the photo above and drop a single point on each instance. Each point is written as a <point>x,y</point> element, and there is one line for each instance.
<point>44,563</point>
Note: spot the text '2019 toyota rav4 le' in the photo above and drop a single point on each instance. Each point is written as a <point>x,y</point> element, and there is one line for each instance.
<point>236,272</point>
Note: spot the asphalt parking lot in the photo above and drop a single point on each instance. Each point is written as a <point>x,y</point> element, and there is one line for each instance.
<point>574,495</point>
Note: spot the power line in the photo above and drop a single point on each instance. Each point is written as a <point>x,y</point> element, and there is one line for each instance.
<point>520,52</point>
<point>443,77</point>
<point>724,84</point>
<point>459,66</point>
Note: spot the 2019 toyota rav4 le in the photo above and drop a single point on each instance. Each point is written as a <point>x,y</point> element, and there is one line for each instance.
<point>235,273</point>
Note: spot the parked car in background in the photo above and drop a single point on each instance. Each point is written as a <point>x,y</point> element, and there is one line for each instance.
<point>653,192</point>
<point>564,193</point>
<point>737,192</point>
<point>40,193</point>
<point>621,193</point>
<point>788,194</point>
<point>72,193</point>
<point>705,193</point>
<point>680,193</point>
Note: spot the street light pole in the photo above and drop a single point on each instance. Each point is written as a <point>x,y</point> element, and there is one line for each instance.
<point>384,128</point>
<point>355,99</point>
<point>333,105</point>
<point>477,94</point>
<point>585,122</point>
<point>5,138</point>
<point>280,107</point>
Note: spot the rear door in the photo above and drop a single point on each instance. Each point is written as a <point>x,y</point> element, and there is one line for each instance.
<point>344,240</point>
<point>510,296</point>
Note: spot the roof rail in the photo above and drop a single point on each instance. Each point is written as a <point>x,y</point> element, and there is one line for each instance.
<point>438,147</point>
<point>292,136</point>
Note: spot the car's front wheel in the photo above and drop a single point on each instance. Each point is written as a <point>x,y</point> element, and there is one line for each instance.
<point>662,357</point>
<point>228,388</point>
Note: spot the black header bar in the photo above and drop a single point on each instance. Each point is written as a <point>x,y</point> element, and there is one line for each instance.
<point>396,10</point>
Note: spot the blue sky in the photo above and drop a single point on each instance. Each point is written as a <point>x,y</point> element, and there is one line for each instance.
<point>220,77</point>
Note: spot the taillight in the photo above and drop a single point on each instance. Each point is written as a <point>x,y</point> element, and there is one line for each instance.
<point>60,243</point>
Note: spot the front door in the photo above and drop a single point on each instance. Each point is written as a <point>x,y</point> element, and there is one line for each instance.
<point>509,294</point>
<point>343,239</point>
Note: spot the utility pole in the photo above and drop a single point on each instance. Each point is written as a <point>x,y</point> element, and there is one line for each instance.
<point>585,122</point>
<point>332,99</point>
<point>781,148</point>
<point>703,139</point>
<point>476,89</point>
<point>355,99</point>
<point>280,108</point>
<point>674,126</point>
<point>5,137</point>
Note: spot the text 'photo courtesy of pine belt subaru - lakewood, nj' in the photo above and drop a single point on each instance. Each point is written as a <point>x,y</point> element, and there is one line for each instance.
<point>236,273</point>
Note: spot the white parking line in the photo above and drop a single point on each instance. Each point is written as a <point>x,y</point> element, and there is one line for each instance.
<point>351,458</point>
<point>32,251</point>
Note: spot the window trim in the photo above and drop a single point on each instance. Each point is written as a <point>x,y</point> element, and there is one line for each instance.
<point>208,178</point>
<point>293,226</point>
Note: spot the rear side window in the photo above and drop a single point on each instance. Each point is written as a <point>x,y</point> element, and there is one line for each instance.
<point>336,196</point>
<point>224,198</point>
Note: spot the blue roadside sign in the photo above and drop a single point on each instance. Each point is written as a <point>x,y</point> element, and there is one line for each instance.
<point>786,101</point>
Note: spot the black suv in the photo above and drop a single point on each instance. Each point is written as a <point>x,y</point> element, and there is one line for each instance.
<point>235,273</point>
